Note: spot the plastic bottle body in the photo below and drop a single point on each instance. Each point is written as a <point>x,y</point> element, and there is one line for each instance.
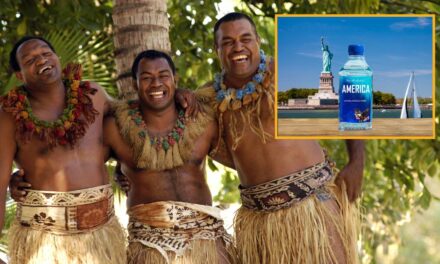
<point>355,94</point>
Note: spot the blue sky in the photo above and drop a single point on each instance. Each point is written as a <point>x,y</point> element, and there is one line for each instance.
<point>394,46</point>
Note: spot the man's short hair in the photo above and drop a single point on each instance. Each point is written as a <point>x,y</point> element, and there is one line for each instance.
<point>151,55</point>
<point>13,62</point>
<point>233,17</point>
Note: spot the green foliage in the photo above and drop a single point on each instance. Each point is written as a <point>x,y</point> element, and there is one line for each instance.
<point>283,97</point>
<point>229,192</point>
<point>423,100</point>
<point>295,93</point>
<point>9,218</point>
<point>195,56</point>
<point>380,98</point>
<point>300,93</point>
<point>421,236</point>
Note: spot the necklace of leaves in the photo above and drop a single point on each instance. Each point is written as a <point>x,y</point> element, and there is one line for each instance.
<point>158,142</point>
<point>232,98</point>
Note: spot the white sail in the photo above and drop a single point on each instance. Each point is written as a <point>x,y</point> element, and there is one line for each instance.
<point>417,113</point>
<point>404,112</point>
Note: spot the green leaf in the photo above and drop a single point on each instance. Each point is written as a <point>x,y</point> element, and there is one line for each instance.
<point>22,27</point>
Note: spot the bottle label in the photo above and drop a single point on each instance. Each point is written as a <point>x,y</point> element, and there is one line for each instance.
<point>355,99</point>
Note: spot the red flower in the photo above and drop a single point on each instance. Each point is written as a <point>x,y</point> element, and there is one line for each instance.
<point>60,132</point>
<point>77,113</point>
<point>86,85</point>
<point>21,97</point>
<point>171,141</point>
<point>76,76</point>
<point>29,125</point>
<point>62,141</point>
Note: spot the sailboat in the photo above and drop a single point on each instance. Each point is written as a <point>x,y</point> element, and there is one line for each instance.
<point>411,88</point>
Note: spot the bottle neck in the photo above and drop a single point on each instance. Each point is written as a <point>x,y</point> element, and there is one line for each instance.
<point>356,57</point>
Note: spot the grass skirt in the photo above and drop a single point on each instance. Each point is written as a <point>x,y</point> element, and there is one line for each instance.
<point>199,252</point>
<point>315,230</point>
<point>105,244</point>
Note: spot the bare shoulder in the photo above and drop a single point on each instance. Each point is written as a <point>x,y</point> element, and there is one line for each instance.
<point>100,92</point>
<point>8,132</point>
<point>6,120</point>
<point>101,98</point>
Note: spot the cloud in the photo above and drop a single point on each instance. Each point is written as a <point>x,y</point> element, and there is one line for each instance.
<point>420,22</point>
<point>310,55</point>
<point>403,73</point>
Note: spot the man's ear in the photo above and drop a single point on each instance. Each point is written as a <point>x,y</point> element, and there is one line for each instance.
<point>19,76</point>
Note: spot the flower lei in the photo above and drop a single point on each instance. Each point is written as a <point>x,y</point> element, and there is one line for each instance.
<point>231,98</point>
<point>158,142</point>
<point>72,123</point>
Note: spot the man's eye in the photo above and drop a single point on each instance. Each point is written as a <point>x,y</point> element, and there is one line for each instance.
<point>30,61</point>
<point>47,54</point>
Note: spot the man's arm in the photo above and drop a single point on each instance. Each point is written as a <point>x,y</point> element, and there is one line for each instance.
<point>120,151</point>
<point>7,153</point>
<point>218,150</point>
<point>102,97</point>
<point>187,100</point>
<point>353,172</point>
<point>18,186</point>
<point>113,140</point>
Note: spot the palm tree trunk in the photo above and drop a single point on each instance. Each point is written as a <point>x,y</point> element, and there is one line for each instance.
<point>138,25</point>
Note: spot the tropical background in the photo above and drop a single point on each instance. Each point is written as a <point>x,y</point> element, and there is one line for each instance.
<point>401,184</point>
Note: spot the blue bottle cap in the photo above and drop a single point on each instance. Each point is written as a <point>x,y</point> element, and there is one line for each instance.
<point>355,50</point>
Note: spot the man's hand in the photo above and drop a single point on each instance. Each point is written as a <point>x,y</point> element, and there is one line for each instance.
<point>188,101</point>
<point>17,186</point>
<point>353,172</point>
<point>351,175</point>
<point>121,179</point>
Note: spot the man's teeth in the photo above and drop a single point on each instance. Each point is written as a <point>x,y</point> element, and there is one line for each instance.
<point>240,58</point>
<point>158,94</point>
<point>44,69</point>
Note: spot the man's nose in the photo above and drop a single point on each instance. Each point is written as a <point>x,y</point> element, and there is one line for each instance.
<point>156,82</point>
<point>41,59</point>
<point>238,46</point>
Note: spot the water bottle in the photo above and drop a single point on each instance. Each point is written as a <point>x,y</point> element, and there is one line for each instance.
<point>355,92</point>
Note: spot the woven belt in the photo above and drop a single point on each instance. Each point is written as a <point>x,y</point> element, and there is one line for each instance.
<point>283,192</point>
<point>66,212</point>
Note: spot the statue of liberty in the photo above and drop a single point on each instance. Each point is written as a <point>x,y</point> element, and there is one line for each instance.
<point>326,57</point>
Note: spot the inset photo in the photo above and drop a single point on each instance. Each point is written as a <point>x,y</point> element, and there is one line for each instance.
<point>351,76</point>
